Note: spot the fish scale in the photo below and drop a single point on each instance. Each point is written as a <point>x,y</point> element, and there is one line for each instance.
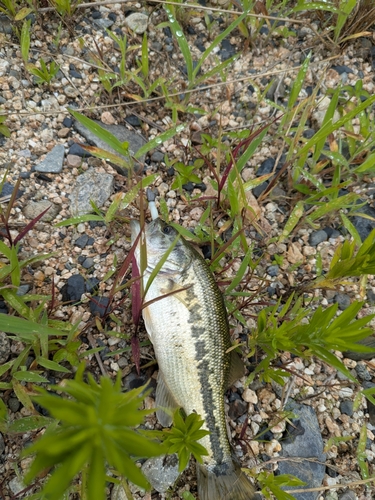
<point>189,331</point>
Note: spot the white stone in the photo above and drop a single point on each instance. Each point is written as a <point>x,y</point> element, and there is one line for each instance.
<point>249,396</point>
<point>137,22</point>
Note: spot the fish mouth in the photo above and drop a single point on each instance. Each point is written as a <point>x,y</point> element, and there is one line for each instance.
<point>150,230</point>
<point>135,228</point>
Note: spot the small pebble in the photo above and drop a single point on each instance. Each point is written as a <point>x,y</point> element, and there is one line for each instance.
<point>342,300</point>
<point>13,404</point>
<point>363,372</point>
<point>273,270</point>
<point>346,407</point>
<point>4,347</point>
<point>317,237</point>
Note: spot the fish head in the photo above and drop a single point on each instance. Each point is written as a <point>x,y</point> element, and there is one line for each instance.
<point>161,240</point>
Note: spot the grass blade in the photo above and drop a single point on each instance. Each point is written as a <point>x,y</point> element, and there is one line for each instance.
<point>182,42</point>
<point>216,42</point>
<point>155,143</point>
<point>102,133</point>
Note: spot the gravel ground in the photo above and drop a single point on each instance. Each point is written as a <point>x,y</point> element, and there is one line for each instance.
<point>54,172</point>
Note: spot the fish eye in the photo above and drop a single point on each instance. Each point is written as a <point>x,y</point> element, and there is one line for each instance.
<point>167,230</point>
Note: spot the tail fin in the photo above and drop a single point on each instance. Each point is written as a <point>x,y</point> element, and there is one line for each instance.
<point>228,484</point>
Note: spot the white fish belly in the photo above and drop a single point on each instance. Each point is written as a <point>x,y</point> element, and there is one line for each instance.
<point>166,322</point>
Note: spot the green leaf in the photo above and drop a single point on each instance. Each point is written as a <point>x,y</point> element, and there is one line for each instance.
<point>3,411</point>
<point>79,219</point>
<point>351,228</point>
<point>101,132</point>
<point>96,476</point>
<point>215,44</point>
<point>51,365</point>
<point>330,127</point>
<point>294,218</point>
<point>155,143</point>
<point>17,302</point>
<point>22,395</point>
<point>135,190</point>
<point>5,367</point>
<point>29,329</point>
<point>299,81</point>
<point>29,377</point>
<point>333,205</point>
<point>183,458</point>
<point>103,154</point>
<point>29,424</point>
<point>368,165</point>
<point>181,40</point>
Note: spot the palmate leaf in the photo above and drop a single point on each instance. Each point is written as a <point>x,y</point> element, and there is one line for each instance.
<point>63,475</point>
<point>97,475</point>
<point>182,438</point>
<point>346,264</point>
<point>94,431</point>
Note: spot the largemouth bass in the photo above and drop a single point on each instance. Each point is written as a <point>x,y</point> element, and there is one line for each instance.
<point>189,331</point>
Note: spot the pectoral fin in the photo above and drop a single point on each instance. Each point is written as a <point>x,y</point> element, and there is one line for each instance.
<point>164,399</point>
<point>178,292</point>
<point>237,368</point>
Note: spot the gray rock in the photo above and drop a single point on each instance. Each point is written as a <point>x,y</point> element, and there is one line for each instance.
<point>357,356</point>
<point>7,190</point>
<point>347,407</point>
<point>73,289</point>
<point>16,486</point>
<point>13,404</point>
<point>22,290</point>
<point>348,495</point>
<point>122,133</point>
<point>25,153</point>
<point>92,285</point>
<point>71,91</point>
<point>273,270</point>
<point>133,120</point>
<point>363,225</point>
<point>4,347</point>
<point>303,440</point>
<point>81,242</point>
<point>6,25</point>
<point>157,156</point>
<point>237,408</point>
<point>77,150</point>
<point>91,185</point>
<point>342,300</point>
<point>137,22</point>
<point>75,74</point>
<point>103,23</point>
<point>266,167</point>
<point>68,51</point>
<point>118,493</point>
<point>99,306</point>
<point>370,297</point>
<point>89,262</point>
<point>363,372</point>
<point>342,69</point>
<point>161,472</point>
<point>317,237</point>
<point>53,162</point>
<point>258,190</point>
<point>276,90</point>
<point>34,208</point>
